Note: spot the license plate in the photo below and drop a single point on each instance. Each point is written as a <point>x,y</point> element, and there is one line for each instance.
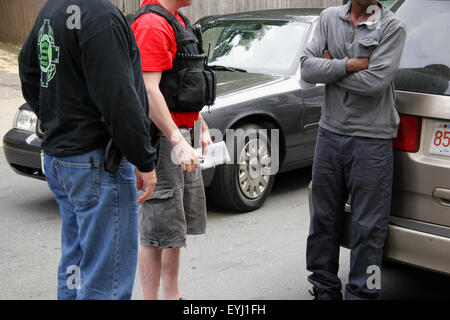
<point>440,141</point>
<point>42,162</point>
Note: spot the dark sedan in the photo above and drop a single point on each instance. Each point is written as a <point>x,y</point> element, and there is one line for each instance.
<point>256,57</point>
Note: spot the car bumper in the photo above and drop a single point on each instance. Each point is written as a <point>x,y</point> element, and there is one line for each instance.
<point>411,242</point>
<point>25,158</point>
<point>411,246</point>
<point>22,153</point>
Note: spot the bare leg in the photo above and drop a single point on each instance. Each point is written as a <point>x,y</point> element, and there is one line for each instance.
<point>150,271</point>
<point>169,272</point>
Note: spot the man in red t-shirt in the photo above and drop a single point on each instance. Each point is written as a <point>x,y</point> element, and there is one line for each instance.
<point>178,205</point>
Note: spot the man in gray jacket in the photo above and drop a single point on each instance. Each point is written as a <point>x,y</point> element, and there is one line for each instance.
<point>355,51</point>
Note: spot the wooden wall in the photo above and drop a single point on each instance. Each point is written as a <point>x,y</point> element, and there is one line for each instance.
<point>127,6</point>
<point>18,16</point>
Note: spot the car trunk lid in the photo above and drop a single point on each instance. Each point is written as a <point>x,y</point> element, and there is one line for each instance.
<point>422,175</point>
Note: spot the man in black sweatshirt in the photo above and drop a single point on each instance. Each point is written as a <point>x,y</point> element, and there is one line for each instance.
<point>81,74</point>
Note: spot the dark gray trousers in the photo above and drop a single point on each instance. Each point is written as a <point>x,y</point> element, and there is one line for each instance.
<point>363,168</point>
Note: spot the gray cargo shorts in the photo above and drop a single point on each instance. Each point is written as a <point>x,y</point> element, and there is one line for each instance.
<point>176,208</point>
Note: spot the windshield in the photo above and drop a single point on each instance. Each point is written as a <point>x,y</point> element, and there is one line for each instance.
<point>270,47</point>
<point>388,3</point>
<point>426,59</point>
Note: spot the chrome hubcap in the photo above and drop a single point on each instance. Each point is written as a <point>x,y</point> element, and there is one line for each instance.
<point>254,168</point>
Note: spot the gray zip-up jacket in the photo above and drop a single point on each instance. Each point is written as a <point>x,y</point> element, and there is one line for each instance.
<point>362,103</point>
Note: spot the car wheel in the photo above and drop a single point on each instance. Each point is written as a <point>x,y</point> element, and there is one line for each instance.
<point>244,185</point>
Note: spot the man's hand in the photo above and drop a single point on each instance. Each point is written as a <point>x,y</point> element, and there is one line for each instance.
<point>187,156</point>
<point>327,55</point>
<point>352,65</point>
<point>147,179</point>
<point>357,64</point>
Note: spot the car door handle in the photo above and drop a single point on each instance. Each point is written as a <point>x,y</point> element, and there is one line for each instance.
<point>442,196</point>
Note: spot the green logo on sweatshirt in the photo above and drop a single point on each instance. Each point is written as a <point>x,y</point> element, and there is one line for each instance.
<point>48,53</point>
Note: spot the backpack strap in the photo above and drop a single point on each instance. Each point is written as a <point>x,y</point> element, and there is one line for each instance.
<point>143,10</point>
<point>177,27</point>
<point>187,22</point>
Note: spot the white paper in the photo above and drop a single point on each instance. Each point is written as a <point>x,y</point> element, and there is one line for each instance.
<point>216,155</point>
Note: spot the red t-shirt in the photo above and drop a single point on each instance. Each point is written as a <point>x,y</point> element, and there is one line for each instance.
<point>158,45</point>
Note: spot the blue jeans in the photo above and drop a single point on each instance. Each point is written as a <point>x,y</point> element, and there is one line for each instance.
<point>99,238</point>
<point>362,167</point>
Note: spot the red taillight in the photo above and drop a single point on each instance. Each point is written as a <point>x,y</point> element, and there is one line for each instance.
<point>408,137</point>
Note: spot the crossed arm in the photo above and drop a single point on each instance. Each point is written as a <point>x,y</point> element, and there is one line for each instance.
<point>361,76</point>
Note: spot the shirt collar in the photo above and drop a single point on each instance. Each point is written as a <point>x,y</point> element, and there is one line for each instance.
<point>346,9</point>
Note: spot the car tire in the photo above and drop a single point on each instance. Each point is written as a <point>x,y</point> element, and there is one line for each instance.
<point>230,192</point>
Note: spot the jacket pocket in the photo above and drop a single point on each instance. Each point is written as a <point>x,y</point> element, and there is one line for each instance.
<point>80,181</point>
<point>196,88</point>
<point>191,90</point>
<point>366,47</point>
<point>211,86</point>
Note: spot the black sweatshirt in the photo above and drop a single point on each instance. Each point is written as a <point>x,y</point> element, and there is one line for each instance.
<point>84,81</point>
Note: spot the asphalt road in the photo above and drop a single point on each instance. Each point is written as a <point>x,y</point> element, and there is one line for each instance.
<point>259,255</point>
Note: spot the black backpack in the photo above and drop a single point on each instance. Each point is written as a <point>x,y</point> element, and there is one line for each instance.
<point>190,85</point>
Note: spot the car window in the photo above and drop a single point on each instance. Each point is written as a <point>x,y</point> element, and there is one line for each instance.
<point>425,65</point>
<point>270,47</point>
<point>388,3</point>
